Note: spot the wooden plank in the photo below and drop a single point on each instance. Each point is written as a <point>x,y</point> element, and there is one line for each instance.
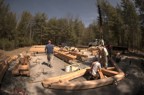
<point>111,68</point>
<point>15,70</point>
<point>23,67</point>
<point>101,74</point>
<point>115,65</point>
<point>12,58</point>
<point>109,72</point>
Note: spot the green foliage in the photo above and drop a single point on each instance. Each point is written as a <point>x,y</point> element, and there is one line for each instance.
<point>90,33</point>
<point>24,30</point>
<point>39,27</point>
<point>122,25</point>
<point>5,44</point>
<point>7,27</point>
<point>131,24</point>
<point>140,7</point>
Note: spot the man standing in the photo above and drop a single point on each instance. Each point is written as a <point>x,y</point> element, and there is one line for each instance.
<point>105,57</point>
<point>49,51</point>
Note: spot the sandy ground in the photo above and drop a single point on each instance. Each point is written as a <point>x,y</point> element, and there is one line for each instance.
<point>132,84</point>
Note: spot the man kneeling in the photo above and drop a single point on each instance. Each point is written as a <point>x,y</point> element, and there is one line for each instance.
<point>95,67</point>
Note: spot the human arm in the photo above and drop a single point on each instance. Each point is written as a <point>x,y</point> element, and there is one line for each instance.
<point>45,49</point>
<point>99,67</point>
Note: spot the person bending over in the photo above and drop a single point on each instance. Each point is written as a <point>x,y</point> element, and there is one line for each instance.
<point>95,67</point>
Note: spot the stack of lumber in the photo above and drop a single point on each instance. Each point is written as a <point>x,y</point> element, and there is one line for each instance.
<point>79,55</point>
<point>22,67</point>
<point>3,66</point>
<point>66,56</point>
<point>4,63</point>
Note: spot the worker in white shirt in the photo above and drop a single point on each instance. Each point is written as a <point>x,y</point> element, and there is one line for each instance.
<point>95,67</point>
<point>105,57</point>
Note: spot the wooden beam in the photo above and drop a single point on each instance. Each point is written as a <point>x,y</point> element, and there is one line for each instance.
<point>77,85</point>
<point>15,70</point>
<point>23,67</point>
<point>109,72</point>
<point>111,68</point>
<point>101,74</point>
<point>64,56</point>
<point>78,54</point>
<point>66,77</point>
<point>115,65</point>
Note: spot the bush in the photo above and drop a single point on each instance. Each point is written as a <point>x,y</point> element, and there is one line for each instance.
<point>5,44</point>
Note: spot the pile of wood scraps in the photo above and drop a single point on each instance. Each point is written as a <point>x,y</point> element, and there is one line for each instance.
<point>22,67</point>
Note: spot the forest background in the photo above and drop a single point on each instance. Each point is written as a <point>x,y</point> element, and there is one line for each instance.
<point>123,25</point>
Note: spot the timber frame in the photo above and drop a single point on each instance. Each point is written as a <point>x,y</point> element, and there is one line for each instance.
<point>63,82</point>
<point>107,76</point>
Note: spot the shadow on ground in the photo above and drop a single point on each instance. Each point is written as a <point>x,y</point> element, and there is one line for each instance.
<point>132,84</point>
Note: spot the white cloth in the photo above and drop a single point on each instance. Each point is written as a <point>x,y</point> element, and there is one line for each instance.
<point>102,42</point>
<point>106,52</point>
<point>95,67</point>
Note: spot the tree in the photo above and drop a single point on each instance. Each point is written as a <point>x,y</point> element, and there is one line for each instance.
<point>40,22</point>
<point>131,23</point>
<point>140,6</point>
<point>24,29</point>
<point>90,33</point>
<point>79,31</point>
<point>111,23</point>
<point>7,27</point>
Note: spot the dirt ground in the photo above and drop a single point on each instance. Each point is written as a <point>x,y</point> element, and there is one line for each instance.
<point>133,84</point>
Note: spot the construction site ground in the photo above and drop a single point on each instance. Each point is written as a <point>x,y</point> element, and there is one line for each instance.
<point>132,84</point>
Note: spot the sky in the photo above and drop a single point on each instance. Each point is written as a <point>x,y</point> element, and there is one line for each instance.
<point>85,10</point>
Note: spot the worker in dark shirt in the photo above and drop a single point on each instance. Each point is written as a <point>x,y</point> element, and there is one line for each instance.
<point>49,51</point>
